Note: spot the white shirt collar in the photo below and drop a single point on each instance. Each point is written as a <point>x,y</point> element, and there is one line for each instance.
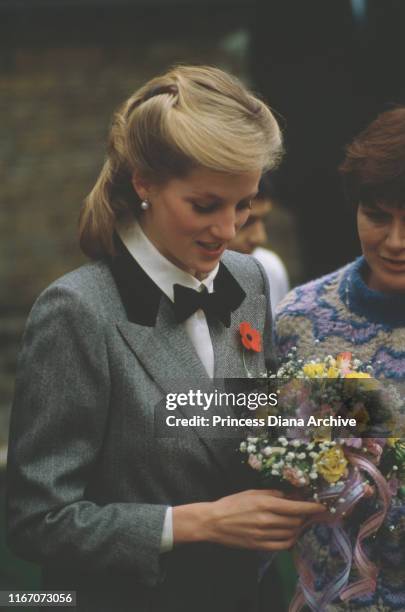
<point>162,271</point>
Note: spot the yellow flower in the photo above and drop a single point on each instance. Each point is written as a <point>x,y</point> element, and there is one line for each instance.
<point>322,434</point>
<point>332,464</point>
<point>333,372</point>
<point>314,370</point>
<point>392,441</point>
<point>357,375</point>
<point>366,382</point>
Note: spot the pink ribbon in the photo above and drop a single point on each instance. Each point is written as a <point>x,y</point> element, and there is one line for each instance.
<point>351,492</point>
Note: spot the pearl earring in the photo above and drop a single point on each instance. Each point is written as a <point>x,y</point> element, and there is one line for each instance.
<point>145,205</point>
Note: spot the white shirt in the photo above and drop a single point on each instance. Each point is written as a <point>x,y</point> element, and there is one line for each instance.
<point>165,274</point>
<point>276,273</point>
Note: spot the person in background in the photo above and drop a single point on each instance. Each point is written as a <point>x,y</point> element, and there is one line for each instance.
<point>252,238</point>
<point>361,308</point>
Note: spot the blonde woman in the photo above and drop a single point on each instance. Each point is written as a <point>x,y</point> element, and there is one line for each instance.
<point>128,519</point>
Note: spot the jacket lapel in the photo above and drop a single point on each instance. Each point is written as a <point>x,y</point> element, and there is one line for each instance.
<point>232,360</point>
<point>165,351</point>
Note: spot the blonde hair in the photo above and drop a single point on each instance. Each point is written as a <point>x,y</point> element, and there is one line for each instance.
<point>193,116</point>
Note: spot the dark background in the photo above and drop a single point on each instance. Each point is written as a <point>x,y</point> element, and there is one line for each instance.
<point>327,67</point>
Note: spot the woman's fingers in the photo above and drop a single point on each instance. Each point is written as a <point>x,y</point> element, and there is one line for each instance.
<point>274,545</point>
<point>279,534</point>
<point>291,507</point>
<point>257,520</point>
<point>270,519</point>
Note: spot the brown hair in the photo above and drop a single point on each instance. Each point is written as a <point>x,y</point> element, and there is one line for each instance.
<point>374,167</point>
<point>193,116</point>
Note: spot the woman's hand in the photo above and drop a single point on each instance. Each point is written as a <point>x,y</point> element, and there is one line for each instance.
<point>257,520</point>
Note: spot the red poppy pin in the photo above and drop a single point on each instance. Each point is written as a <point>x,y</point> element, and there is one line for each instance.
<point>251,338</point>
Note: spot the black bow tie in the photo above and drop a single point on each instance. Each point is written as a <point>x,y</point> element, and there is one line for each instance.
<point>227,296</point>
<point>188,301</point>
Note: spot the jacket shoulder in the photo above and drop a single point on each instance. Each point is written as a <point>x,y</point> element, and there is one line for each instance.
<point>86,279</point>
<point>246,269</point>
<point>90,286</point>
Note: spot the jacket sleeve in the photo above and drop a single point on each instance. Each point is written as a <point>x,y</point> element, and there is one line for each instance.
<point>59,417</point>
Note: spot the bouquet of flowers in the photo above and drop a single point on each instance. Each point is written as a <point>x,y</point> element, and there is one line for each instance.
<point>333,463</point>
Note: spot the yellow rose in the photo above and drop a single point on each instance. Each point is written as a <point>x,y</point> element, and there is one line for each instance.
<point>314,370</point>
<point>333,372</point>
<point>392,441</point>
<point>323,434</point>
<point>332,464</point>
<point>366,382</point>
<point>357,375</point>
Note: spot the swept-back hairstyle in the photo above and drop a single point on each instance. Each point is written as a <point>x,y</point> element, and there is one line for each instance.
<point>373,170</point>
<point>193,116</point>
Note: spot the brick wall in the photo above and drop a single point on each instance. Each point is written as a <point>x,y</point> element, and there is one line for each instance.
<point>58,89</point>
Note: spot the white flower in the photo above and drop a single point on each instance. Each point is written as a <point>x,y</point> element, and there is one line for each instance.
<point>283,441</point>
<point>252,440</point>
<point>301,455</point>
<point>290,455</point>
<point>296,443</point>
<point>251,448</point>
<point>243,447</point>
<point>267,451</point>
<point>313,475</point>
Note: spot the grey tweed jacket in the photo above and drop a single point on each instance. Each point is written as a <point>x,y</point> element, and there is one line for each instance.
<point>89,477</point>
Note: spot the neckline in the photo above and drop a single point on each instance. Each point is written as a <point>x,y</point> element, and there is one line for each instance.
<point>377,306</point>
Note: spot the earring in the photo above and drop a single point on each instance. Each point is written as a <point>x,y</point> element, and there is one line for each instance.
<point>145,205</point>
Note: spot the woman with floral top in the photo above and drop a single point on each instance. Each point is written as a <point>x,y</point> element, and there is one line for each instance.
<point>361,308</point>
